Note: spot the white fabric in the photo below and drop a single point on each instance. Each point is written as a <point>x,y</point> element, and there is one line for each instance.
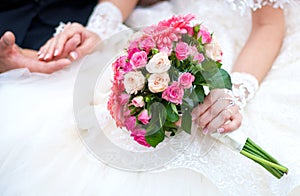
<point>42,154</point>
<point>106,20</point>
<point>244,87</point>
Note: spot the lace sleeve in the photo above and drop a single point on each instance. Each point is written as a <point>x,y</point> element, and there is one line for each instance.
<point>106,20</point>
<point>244,87</point>
<point>243,5</point>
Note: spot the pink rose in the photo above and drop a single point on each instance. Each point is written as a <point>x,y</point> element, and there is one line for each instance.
<point>205,35</point>
<point>130,123</point>
<point>186,80</point>
<point>138,101</point>
<point>199,58</point>
<point>182,50</point>
<point>143,117</point>
<point>139,136</point>
<point>138,59</point>
<point>174,93</point>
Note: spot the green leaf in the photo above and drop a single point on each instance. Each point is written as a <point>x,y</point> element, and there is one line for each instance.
<point>199,79</point>
<point>220,80</point>
<point>172,113</point>
<point>155,138</point>
<point>154,129</point>
<point>209,68</point>
<point>186,122</point>
<point>200,94</point>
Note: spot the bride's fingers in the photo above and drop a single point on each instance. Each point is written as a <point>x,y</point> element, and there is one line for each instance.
<point>213,111</point>
<point>49,52</point>
<point>225,116</point>
<point>43,50</point>
<point>71,45</point>
<point>87,46</point>
<point>209,100</point>
<point>66,35</point>
<point>235,123</point>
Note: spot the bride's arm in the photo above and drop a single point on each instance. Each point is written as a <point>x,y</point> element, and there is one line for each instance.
<point>251,67</point>
<point>259,53</point>
<point>264,43</point>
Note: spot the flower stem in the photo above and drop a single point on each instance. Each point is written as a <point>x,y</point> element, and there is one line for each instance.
<point>265,162</point>
<point>257,154</point>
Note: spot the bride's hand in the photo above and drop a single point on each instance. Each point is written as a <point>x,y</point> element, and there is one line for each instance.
<point>218,112</point>
<point>74,42</point>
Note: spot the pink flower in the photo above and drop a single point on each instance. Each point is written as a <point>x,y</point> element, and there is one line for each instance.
<point>205,35</point>
<point>147,43</point>
<point>139,136</point>
<point>174,93</point>
<point>121,66</point>
<point>138,101</point>
<point>163,36</point>
<point>182,50</point>
<point>130,123</point>
<point>143,117</point>
<point>138,59</point>
<point>199,58</point>
<point>119,63</point>
<point>179,23</point>
<point>114,103</point>
<point>124,98</point>
<point>186,80</point>
<point>133,50</point>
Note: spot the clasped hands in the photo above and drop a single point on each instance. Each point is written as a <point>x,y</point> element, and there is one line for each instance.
<point>73,43</point>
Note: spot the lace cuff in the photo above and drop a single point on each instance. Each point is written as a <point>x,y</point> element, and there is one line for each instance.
<point>105,20</point>
<point>244,87</point>
<point>60,28</point>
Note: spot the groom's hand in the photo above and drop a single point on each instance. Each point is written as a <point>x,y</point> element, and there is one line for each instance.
<point>13,57</point>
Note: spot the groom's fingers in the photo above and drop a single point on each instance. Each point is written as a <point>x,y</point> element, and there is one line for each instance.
<point>49,67</point>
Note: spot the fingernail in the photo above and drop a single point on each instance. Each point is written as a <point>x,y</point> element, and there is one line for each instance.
<point>41,56</point>
<point>47,57</point>
<point>205,131</point>
<point>221,130</point>
<point>74,55</point>
<point>39,53</point>
<point>56,52</point>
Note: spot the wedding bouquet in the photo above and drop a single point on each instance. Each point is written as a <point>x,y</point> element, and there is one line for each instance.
<point>166,71</point>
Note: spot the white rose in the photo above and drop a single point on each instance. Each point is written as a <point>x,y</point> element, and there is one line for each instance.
<point>213,50</point>
<point>134,81</point>
<point>159,63</point>
<point>158,82</point>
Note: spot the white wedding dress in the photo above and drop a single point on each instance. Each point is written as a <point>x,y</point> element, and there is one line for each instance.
<point>45,148</point>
